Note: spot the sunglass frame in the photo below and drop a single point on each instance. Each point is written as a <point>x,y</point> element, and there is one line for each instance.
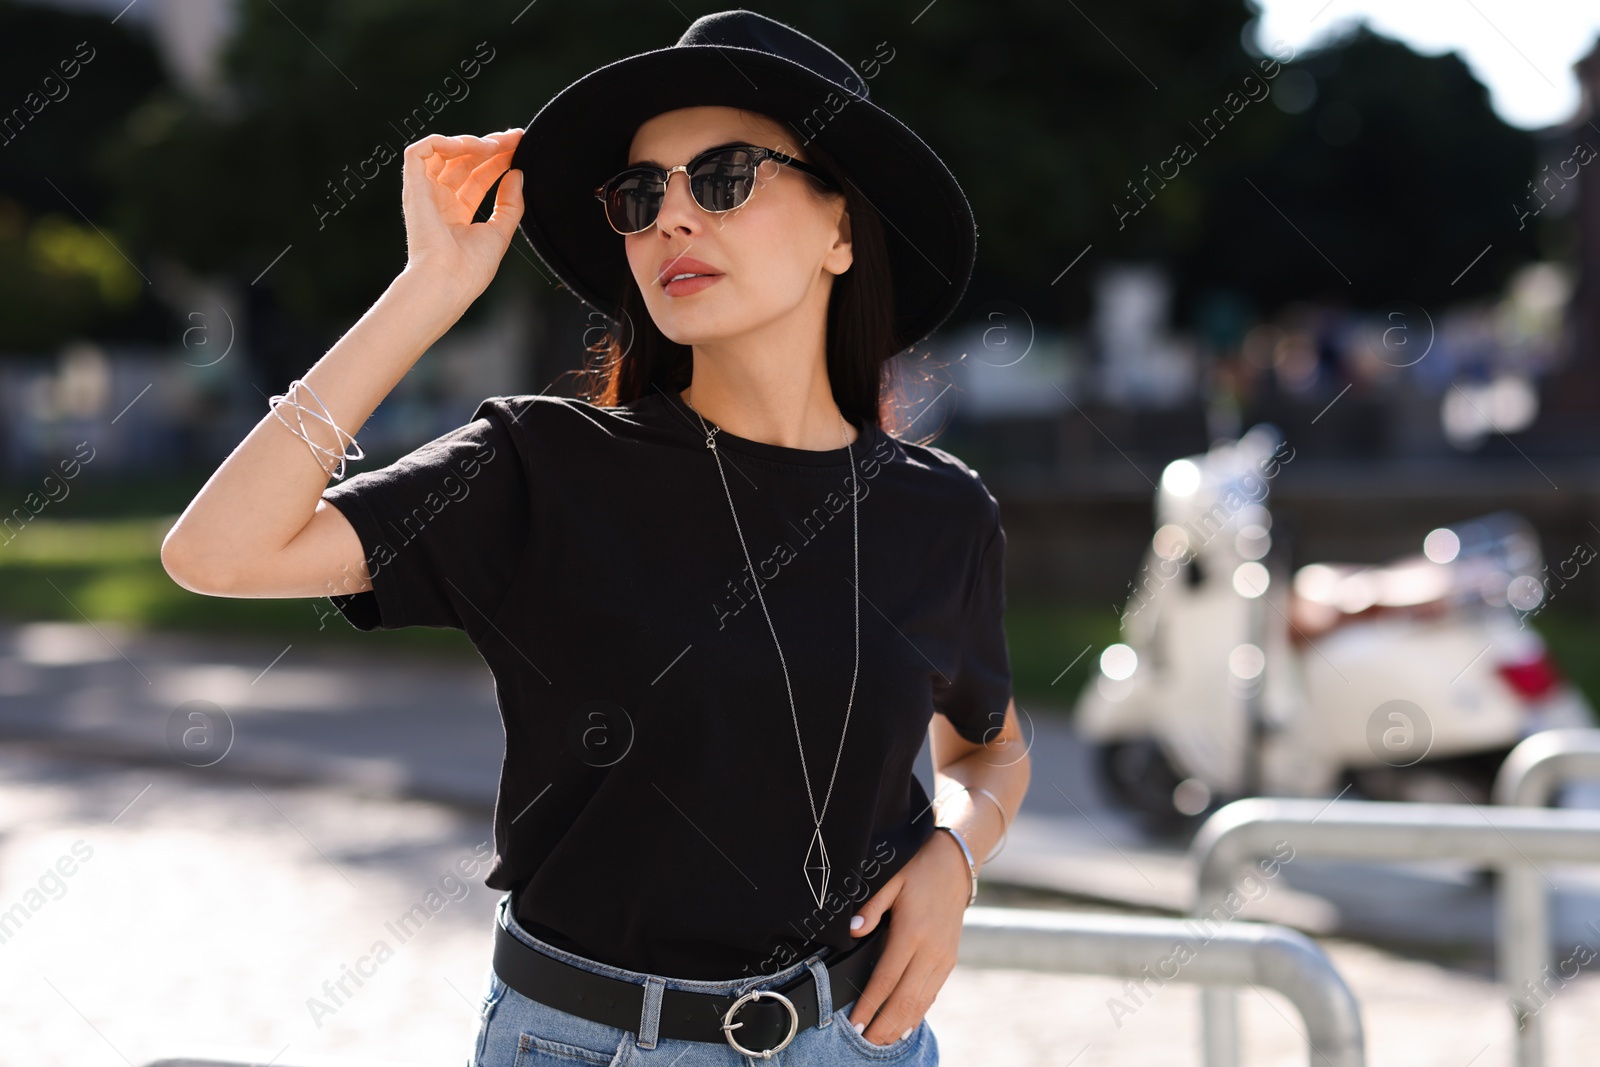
<point>663,175</point>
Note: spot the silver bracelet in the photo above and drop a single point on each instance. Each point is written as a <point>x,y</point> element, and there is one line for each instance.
<point>991,796</point>
<point>965,851</point>
<point>1005,827</point>
<point>1004,822</point>
<point>277,400</point>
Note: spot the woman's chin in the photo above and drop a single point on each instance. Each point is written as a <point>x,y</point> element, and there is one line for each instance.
<point>696,337</point>
<point>686,327</point>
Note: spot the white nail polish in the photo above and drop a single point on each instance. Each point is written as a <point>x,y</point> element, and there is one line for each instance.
<point>906,1034</point>
<point>859,1027</point>
<point>857,922</point>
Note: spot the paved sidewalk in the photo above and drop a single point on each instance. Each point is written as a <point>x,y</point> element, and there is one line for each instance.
<point>394,763</point>
<point>209,916</point>
<point>379,725</point>
<point>429,730</point>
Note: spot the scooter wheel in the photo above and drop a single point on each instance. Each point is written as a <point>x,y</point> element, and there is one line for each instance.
<point>1137,775</point>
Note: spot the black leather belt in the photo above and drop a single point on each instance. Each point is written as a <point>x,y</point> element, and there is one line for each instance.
<point>757,1024</point>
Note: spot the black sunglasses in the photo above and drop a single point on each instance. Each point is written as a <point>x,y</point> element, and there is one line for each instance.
<point>720,179</point>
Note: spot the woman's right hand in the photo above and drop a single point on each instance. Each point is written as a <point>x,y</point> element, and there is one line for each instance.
<point>444,181</point>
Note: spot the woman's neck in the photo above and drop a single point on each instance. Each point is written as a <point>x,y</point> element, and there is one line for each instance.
<point>777,407</point>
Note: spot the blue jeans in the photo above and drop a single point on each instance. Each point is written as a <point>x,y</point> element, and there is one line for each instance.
<point>515,1031</point>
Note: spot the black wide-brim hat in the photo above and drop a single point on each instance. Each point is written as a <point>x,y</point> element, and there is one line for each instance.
<point>743,59</point>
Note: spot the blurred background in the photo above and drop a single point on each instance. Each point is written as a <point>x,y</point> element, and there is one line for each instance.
<point>1375,232</point>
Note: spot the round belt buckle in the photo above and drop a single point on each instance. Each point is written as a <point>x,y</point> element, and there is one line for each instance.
<point>729,1026</point>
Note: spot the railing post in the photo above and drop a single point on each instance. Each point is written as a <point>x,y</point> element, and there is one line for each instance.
<point>1522,923</point>
<point>1219,1026</point>
<point>1530,777</point>
<point>1512,838</point>
<point>1543,762</point>
<point>1230,954</point>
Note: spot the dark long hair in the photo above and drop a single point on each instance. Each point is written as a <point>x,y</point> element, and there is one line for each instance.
<point>860,330</point>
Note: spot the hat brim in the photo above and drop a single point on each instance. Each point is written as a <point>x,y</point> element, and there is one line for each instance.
<point>581,137</point>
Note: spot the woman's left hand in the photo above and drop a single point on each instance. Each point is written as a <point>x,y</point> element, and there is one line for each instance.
<point>929,896</point>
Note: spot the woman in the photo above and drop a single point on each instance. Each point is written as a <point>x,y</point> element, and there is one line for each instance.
<point>712,845</point>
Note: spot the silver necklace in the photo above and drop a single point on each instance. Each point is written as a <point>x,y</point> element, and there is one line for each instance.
<point>816,864</point>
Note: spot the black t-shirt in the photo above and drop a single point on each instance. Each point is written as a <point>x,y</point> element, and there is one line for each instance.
<point>652,812</point>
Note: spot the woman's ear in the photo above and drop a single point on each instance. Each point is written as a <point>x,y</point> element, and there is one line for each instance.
<point>841,254</point>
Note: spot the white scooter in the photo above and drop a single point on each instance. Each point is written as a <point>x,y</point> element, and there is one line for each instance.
<point>1409,681</point>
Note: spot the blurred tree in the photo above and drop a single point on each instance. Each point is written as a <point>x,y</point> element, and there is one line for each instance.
<point>1392,166</point>
<point>1044,111</point>
<point>67,81</point>
<point>1036,111</point>
<point>1047,113</point>
<point>290,179</point>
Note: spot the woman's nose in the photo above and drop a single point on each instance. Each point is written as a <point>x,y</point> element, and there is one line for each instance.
<point>679,213</point>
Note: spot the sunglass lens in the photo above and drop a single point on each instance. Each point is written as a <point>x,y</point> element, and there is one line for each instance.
<point>633,201</point>
<point>719,182</point>
<point>723,181</point>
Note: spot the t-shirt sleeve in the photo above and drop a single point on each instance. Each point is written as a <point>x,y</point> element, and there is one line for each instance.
<point>975,697</point>
<point>443,529</point>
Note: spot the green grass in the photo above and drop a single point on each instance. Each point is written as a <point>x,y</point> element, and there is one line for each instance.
<point>1045,639</point>
<point>110,570</point>
<point>1572,638</point>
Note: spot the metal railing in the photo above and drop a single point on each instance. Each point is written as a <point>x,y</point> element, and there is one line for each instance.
<point>1530,777</point>
<point>1355,829</point>
<point>1544,762</point>
<point>1234,953</point>
<point>1128,946</point>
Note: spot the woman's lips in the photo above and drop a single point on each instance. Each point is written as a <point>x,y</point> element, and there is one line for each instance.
<point>690,286</point>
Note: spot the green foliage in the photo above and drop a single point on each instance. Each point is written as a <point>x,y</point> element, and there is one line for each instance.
<point>1035,111</point>
<point>68,84</point>
<point>305,153</point>
<point>59,276</point>
<point>110,571</point>
<point>1048,638</point>
<point>1045,112</point>
<point>1571,637</point>
<point>1428,180</point>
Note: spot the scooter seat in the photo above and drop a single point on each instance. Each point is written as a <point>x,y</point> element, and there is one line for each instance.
<point>1328,595</point>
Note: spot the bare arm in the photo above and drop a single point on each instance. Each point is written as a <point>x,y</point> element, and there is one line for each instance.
<point>259,526</point>
<point>1001,766</point>
<point>930,891</point>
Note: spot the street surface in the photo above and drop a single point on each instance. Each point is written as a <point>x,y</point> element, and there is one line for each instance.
<point>206,909</point>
